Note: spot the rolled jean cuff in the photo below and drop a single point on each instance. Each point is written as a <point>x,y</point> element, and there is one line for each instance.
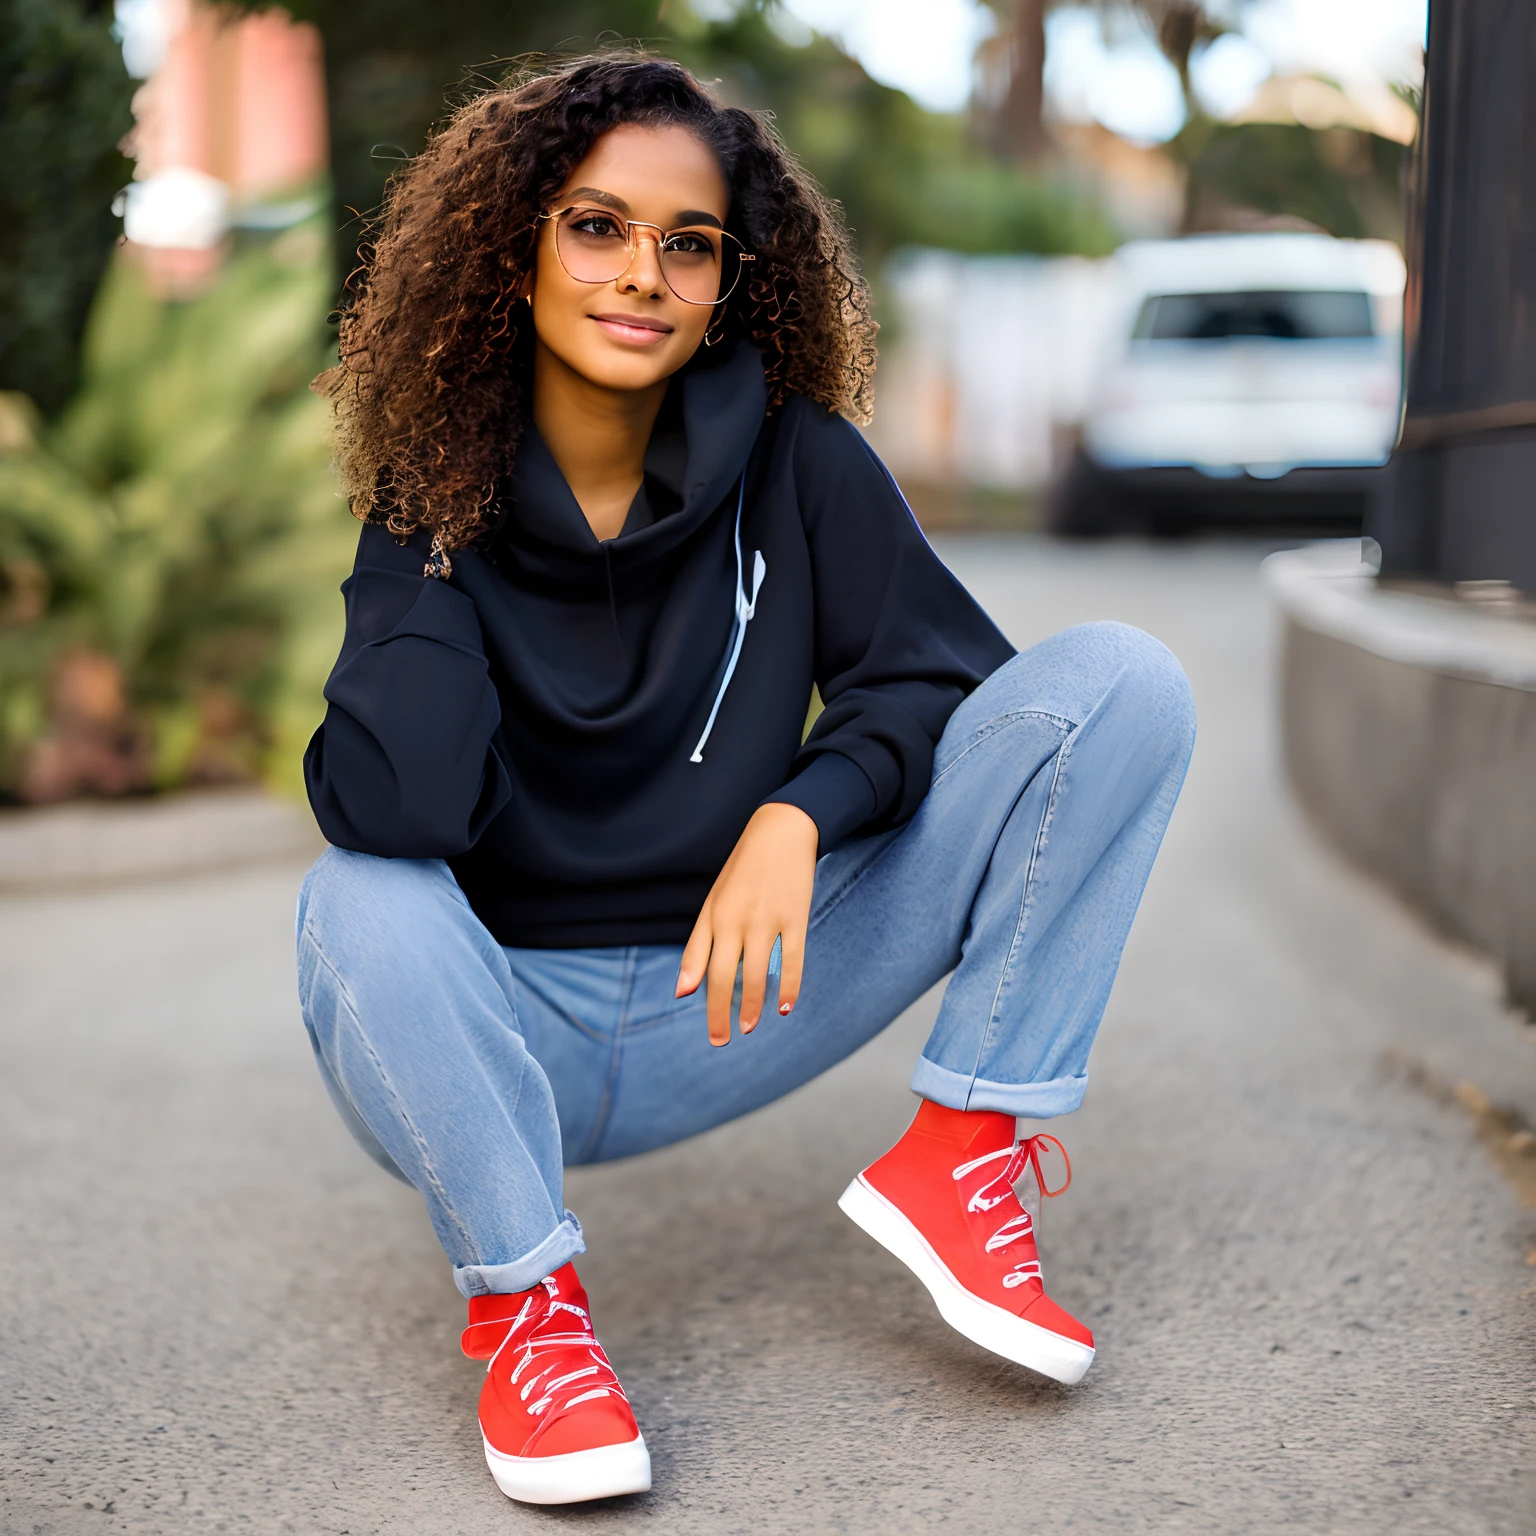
<point>1030,1101</point>
<point>560,1247</point>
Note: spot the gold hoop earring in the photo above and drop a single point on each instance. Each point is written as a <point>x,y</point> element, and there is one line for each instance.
<point>716,330</point>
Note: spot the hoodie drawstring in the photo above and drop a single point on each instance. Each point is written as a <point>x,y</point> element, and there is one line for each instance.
<point>746,607</point>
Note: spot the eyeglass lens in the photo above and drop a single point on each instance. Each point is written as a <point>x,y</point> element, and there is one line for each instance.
<point>699,265</point>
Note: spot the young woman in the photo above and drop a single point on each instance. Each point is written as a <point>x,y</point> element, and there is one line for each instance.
<point>593,407</point>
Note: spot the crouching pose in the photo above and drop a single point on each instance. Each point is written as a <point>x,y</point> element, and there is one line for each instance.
<point>592,407</point>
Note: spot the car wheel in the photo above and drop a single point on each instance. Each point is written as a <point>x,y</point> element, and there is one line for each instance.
<point>1085,503</point>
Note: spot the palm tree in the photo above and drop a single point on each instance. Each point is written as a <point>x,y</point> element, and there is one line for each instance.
<point>1013,62</point>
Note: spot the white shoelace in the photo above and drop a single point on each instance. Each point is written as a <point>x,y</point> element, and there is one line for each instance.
<point>539,1343</point>
<point>1020,1155</point>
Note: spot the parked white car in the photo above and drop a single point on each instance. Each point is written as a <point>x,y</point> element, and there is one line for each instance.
<point>1255,378</point>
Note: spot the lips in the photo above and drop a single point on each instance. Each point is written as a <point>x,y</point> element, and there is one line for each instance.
<point>636,330</point>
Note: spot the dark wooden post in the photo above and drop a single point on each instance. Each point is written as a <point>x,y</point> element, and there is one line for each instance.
<point>1460,504</point>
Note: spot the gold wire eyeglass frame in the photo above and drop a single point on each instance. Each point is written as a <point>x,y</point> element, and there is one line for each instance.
<point>661,237</point>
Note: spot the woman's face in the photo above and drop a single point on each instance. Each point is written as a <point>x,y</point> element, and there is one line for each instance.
<point>632,332</point>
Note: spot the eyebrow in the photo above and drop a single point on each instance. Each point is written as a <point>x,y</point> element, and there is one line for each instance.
<point>689,216</point>
<point>593,195</point>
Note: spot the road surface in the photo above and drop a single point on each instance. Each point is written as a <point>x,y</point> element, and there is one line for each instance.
<point>1309,1284</point>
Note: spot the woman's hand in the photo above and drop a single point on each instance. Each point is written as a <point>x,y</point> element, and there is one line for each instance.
<point>762,894</point>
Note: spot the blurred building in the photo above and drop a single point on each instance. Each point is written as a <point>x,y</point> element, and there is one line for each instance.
<point>1140,186</point>
<point>991,358</point>
<point>230,130</point>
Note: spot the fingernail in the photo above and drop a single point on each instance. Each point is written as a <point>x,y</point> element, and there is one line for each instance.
<point>786,1007</point>
<point>748,1025</point>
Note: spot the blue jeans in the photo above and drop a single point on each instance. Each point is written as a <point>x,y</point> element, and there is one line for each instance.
<point>477,1072</point>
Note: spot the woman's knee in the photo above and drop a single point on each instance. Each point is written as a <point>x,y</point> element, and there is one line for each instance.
<point>1105,665</point>
<point>1154,685</point>
<point>356,908</point>
<point>384,944</point>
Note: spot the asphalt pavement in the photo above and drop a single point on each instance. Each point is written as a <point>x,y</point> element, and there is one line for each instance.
<point>1310,1285</point>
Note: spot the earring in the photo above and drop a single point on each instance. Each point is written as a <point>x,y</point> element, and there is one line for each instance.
<point>716,330</point>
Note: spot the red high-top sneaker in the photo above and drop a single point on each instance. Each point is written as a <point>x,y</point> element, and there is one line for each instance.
<point>942,1200</point>
<point>556,1423</point>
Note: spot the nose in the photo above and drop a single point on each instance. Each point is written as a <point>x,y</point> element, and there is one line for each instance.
<point>643,274</point>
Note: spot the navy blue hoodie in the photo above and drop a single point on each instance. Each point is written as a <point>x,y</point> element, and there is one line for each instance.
<point>583,728</point>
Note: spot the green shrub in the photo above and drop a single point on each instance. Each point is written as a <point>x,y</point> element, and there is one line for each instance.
<point>177,524</point>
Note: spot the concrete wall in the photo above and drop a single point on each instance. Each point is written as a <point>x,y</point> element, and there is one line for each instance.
<point>1421,771</point>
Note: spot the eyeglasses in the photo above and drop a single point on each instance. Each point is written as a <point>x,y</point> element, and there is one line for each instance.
<point>700,265</point>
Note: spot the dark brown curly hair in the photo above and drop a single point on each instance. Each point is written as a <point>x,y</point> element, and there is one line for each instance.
<point>432,390</point>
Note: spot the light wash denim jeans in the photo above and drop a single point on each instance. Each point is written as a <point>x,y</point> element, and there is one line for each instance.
<point>476,1071</point>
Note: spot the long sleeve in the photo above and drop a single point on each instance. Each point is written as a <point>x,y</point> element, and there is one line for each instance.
<point>403,764</point>
<point>898,641</point>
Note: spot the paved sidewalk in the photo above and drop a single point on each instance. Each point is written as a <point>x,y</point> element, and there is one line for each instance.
<point>1309,1284</point>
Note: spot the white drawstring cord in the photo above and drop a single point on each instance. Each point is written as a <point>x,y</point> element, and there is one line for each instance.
<point>746,607</point>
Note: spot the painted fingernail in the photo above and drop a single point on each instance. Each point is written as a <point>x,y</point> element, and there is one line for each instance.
<point>786,1007</point>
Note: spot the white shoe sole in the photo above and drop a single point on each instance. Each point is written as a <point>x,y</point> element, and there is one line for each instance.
<point>601,1473</point>
<point>1024,1343</point>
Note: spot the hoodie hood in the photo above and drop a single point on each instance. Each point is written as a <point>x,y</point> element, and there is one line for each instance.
<point>704,435</point>
<point>583,728</point>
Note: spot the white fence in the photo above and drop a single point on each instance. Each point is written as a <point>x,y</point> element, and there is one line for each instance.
<point>984,359</point>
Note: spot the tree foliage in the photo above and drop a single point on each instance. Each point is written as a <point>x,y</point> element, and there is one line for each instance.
<point>64,105</point>
<point>903,174</point>
<point>1342,180</point>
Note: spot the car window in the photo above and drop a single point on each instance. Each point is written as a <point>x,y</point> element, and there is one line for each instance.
<point>1283,315</point>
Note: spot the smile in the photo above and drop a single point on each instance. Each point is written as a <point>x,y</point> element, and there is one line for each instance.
<point>633,330</point>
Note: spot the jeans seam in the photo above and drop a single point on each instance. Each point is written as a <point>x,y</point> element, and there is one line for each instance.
<point>996,723</point>
<point>656,1020</point>
<point>517,1096</point>
<point>610,1085</point>
<point>989,1035</point>
<point>554,1005</point>
<point>416,1137</point>
<point>817,918</point>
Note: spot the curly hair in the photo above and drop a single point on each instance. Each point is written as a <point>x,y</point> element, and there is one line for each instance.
<point>432,391</point>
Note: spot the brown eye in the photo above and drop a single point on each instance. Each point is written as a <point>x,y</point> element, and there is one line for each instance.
<point>590,224</point>
<point>688,243</point>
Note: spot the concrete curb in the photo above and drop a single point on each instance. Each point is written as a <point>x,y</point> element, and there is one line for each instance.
<point>67,847</point>
<point>1409,732</point>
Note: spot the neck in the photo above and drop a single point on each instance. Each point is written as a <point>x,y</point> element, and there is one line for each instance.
<point>596,436</point>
